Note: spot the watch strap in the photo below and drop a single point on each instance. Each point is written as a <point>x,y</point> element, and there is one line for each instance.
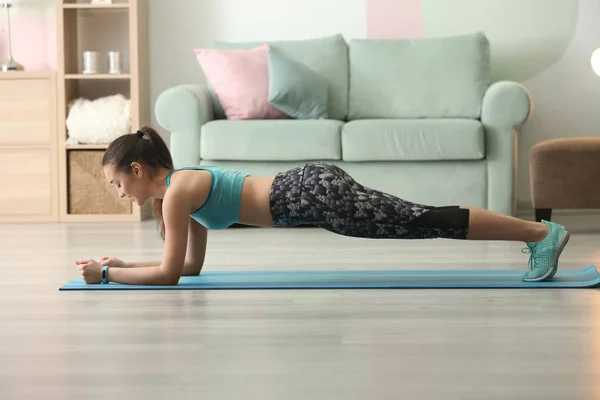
<point>105,274</point>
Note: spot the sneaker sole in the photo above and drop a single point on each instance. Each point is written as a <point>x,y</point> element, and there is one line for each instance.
<point>552,271</point>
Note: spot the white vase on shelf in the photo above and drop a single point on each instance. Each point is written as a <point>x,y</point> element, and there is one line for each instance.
<point>90,62</point>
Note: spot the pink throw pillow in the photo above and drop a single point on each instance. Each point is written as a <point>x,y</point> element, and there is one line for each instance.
<point>240,79</point>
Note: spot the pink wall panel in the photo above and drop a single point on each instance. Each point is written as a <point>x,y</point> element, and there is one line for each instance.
<point>394,19</point>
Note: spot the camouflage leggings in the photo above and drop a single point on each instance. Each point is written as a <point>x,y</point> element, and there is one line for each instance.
<point>324,195</point>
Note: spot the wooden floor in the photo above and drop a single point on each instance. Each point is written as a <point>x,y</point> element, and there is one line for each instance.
<point>295,344</point>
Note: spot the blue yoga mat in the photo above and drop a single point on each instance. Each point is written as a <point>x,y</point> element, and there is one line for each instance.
<point>587,277</point>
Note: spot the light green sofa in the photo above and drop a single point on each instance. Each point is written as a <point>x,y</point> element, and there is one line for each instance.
<point>419,119</point>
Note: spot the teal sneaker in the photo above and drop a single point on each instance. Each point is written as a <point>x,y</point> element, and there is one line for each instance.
<point>543,259</point>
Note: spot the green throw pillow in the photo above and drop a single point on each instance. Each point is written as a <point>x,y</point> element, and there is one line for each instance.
<point>295,89</point>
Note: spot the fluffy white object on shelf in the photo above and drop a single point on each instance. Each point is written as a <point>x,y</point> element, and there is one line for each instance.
<point>98,121</point>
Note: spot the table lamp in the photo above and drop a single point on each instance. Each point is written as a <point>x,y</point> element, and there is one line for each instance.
<point>10,64</point>
<point>596,61</point>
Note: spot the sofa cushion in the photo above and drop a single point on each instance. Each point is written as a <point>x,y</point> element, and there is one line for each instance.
<point>240,79</point>
<point>295,89</point>
<point>414,140</point>
<point>274,140</point>
<point>418,78</point>
<point>327,56</point>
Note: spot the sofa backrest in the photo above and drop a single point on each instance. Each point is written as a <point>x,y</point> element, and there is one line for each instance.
<point>418,78</point>
<point>328,56</point>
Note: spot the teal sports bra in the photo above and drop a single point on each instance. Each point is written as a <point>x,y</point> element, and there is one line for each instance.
<point>222,206</point>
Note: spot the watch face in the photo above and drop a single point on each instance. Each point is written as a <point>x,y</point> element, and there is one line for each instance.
<point>104,272</point>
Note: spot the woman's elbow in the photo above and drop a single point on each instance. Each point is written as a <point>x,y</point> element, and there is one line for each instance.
<point>191,270</point>
<point>170,280</point>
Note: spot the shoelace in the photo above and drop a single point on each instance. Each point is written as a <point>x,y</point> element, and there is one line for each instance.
<point>530,251</point>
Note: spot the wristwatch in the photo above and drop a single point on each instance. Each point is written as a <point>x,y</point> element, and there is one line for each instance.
<point>105,274</point>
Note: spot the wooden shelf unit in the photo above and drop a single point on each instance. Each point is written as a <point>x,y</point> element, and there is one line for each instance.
<point>81,26</point>
<point>86,146</point>
<point>98,76</point>
<point>83,6</point>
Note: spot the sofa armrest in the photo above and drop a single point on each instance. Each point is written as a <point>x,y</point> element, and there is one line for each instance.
<point>182,110</point>
<point>506,106</point>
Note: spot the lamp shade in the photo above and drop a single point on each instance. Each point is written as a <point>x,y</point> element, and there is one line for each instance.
<point>596,61</point>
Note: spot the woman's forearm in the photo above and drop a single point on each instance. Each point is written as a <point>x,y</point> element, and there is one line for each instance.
<point>188,269</point>
<point>153,275</point>
<point>142,264</point>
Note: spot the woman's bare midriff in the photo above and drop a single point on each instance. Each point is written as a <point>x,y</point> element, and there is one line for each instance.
<point>255,207</point>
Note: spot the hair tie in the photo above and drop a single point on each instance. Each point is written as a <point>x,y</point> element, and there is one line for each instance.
<point>140,134</point>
